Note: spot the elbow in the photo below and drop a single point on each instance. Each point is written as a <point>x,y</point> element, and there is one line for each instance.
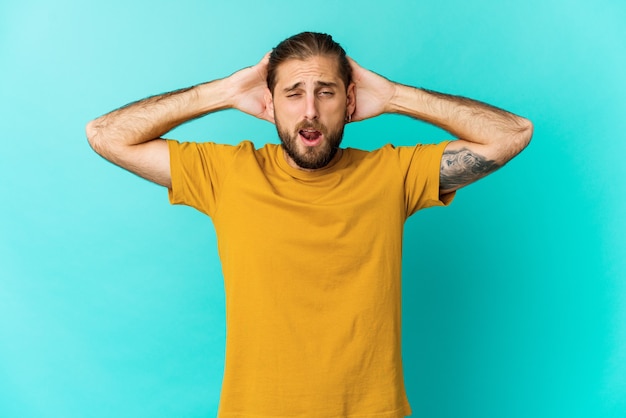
<point>91,131</point>
<point>94,136</point>
<point>527,132</point>
<point>515,141</point>
<point>523,135</point>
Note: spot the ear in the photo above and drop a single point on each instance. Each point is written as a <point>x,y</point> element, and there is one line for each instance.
<point>269,105</point>
<point>350,100</point>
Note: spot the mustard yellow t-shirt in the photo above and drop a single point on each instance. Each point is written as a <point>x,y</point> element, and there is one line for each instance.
<point>312,266</point>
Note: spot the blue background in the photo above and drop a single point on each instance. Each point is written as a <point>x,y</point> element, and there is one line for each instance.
<point>111,300</point>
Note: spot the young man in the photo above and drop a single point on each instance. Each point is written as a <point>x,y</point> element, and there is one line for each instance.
<point>310,234</point>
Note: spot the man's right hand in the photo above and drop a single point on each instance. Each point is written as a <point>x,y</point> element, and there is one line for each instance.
<point>250,92</point>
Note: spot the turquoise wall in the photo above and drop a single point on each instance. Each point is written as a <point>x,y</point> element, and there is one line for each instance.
<point>111,301</point>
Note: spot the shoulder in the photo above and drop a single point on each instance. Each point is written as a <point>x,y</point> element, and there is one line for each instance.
<point>211,147</point>
<point>383,151</point>
<point>390,152</point>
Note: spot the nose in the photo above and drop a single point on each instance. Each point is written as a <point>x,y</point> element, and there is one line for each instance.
<point>311,111</point>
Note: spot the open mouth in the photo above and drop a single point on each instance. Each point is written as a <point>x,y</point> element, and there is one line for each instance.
<point>310,136</point>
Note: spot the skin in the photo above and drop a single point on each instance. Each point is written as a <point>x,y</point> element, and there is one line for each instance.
<point>310,96</point>
<point>488,137</point>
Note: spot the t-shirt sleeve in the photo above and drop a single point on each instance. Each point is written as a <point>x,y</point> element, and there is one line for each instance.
<point>421,165</point>
<point>197,171</point>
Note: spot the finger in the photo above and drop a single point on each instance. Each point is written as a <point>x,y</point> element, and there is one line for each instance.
<point>353,63</point>
<point>357,70</point>
<point>261,66</point>
<point>269,118</point>
<point>266,59</point>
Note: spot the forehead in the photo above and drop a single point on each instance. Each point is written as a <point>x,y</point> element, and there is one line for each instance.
<point>310,70</point>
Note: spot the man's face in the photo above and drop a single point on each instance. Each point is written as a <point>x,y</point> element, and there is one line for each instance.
<point>310,104</point>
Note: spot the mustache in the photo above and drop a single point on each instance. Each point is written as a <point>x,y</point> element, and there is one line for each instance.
<point>311,125</point>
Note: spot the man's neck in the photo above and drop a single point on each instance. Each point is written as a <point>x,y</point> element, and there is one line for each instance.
<point>293,164</point>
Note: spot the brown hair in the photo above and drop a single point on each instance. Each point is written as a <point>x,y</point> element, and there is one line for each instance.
<point>306,45</point>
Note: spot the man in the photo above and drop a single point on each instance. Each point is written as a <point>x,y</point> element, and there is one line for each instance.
<point>310,234</point>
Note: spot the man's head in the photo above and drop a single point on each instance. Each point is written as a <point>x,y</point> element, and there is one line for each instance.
<point>309,77</point>
<point>306,45</point>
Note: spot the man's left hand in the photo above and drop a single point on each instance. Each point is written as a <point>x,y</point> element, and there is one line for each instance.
<point>374,93</point>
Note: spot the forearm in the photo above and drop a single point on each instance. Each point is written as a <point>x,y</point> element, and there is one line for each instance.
<point>151,118</point>
<point>131,136</point>
<point>502,134</point>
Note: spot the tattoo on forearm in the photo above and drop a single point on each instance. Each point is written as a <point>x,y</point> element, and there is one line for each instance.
<point>461,167</point>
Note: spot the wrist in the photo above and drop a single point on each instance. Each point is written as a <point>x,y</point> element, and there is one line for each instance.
<point>214,95</point>
<point>405,100</point>
<point>393,104</point>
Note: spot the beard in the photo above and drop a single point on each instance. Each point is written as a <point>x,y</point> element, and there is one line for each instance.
<point>312,157</point>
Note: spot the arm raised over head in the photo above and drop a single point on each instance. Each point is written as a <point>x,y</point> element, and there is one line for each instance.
<point>487,137</point>
<point>131,135</point>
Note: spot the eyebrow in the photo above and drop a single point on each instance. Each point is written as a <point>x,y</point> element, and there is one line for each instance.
<point>325,84</point>
<point>317,84</point>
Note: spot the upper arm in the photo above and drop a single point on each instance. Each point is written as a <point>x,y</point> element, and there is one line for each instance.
<point>149,160</point>
<point>463,163</point>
